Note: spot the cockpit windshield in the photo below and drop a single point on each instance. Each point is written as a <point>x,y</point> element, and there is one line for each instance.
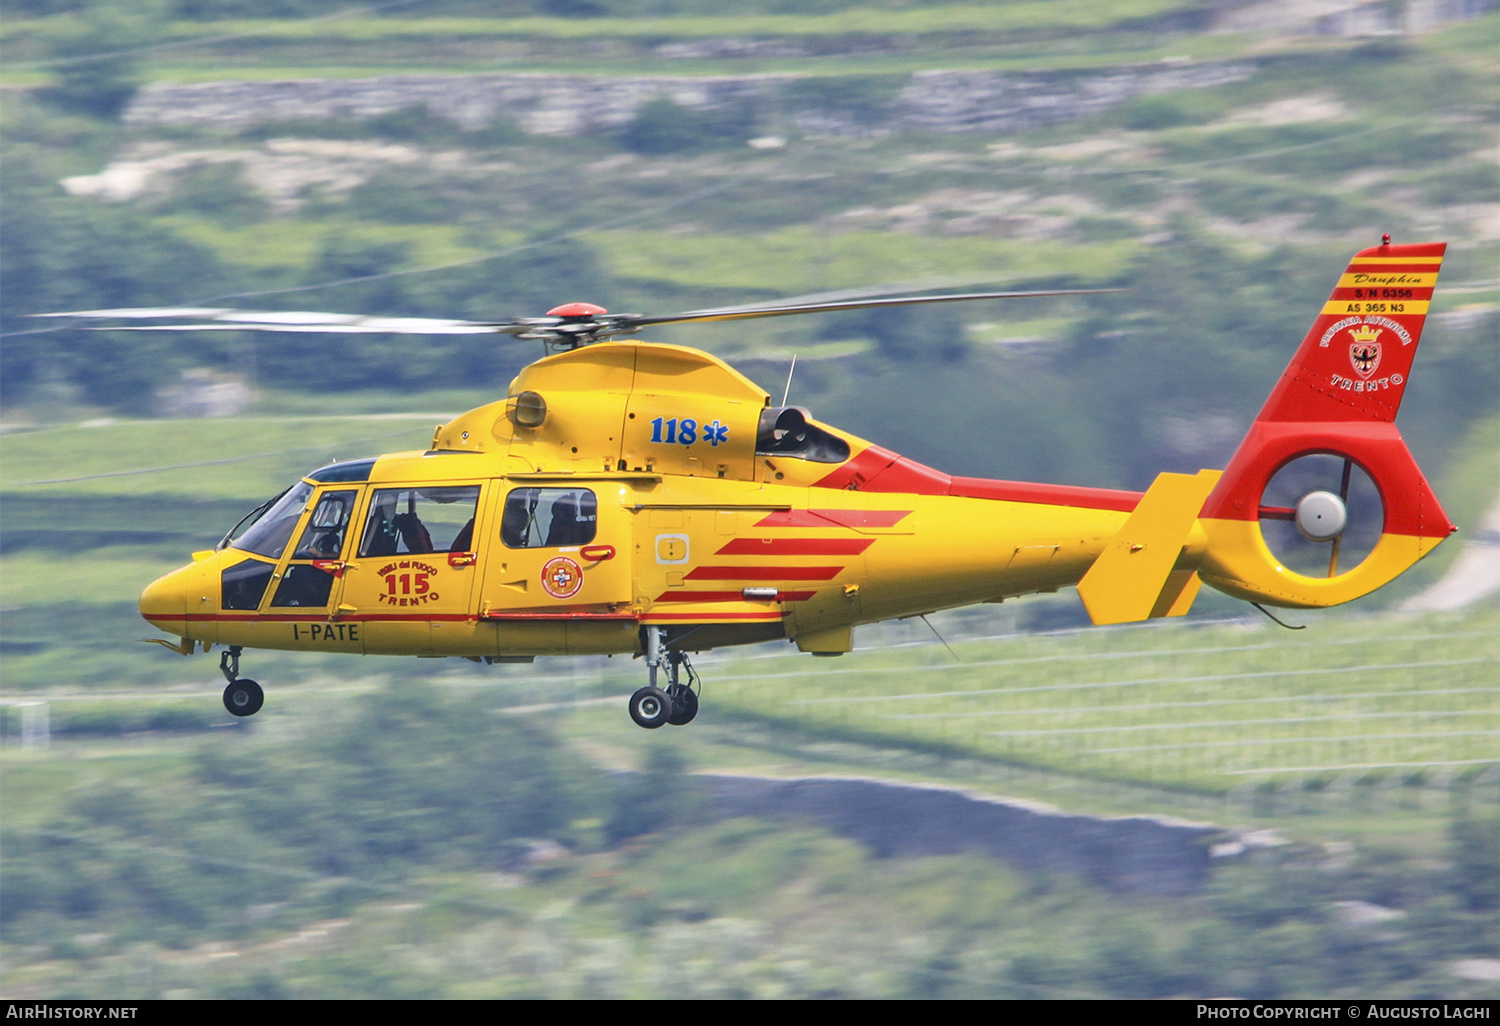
<point>267,535</point>
<point>247,521</point>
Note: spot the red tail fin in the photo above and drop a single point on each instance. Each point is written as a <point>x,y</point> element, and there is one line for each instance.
<point>1355,361</point>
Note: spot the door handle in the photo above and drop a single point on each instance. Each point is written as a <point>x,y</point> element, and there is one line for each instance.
<point>458,559</point>
<point>597,553</point>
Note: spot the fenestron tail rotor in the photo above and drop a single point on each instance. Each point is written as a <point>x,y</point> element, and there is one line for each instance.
<point>1321,515</point>
<point>563,327</point>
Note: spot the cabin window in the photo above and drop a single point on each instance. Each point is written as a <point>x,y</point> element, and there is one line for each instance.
<point>785,431</point>
<point>269,535</point>
<point>415,520</point>
<point>549,518</point>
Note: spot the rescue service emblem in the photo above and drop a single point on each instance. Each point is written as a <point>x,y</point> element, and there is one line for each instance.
<point>561,577</point>
<point>1364,351</point>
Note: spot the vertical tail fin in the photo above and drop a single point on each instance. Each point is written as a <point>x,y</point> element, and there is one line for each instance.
<point>1355,361</point>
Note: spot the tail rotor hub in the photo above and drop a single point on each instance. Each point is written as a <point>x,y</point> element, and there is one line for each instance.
<point>1321,516</point>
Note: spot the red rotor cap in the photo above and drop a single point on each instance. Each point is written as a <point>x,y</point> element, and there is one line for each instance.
<point>576,310</point>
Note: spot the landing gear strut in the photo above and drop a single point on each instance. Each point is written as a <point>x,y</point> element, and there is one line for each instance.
<point>652,706</point>
<point>684,698</point>
<point>241,697</point>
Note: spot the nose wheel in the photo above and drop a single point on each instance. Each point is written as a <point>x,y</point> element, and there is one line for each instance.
<point>242,697</point>
<point>677,704</point>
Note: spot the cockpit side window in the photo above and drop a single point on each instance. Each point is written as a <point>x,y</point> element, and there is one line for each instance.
<point>310,584</point>
<point>549,518</point>
<point>403,520</point>
<point>323,537</point>
<point>269,535</point>
<point>785,431</point>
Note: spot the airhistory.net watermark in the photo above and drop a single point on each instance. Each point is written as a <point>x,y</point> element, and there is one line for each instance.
<point>61,1010</point>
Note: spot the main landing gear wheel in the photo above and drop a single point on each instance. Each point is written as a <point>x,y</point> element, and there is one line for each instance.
<point>243,697</point>
<point>684,704</point>
<point>650,707</point>
<point>678,704</point>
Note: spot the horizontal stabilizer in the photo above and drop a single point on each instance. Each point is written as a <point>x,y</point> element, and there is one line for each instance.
<point>1134,579</point>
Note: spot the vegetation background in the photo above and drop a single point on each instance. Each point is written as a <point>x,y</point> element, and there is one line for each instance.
<point>399,830</point>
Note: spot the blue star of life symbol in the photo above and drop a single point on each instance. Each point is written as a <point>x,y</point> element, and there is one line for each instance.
<point>715,433</point>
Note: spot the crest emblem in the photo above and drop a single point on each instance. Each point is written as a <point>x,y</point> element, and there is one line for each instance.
<point>561,578</point>
<point>1364,351</point>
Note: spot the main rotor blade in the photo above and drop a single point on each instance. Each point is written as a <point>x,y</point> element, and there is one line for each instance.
<point>374,326</point>
<point>146,311</point>
<point>565,329</point>
<point>738,313</point>
<point>288,320</point>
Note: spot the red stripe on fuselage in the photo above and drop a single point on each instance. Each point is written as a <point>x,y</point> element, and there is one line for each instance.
<point>1046,494</point>
<point>559,615</point>
<point>730,596</point>
<point>382,617</point>
<point>710,617</point>
<point>764,573</point>
<point>826,518</point>
<point>880,470</point>
<point>796,547</point>
<point>307,618</point>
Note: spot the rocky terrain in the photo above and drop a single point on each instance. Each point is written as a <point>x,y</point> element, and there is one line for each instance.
<point>940,100</point>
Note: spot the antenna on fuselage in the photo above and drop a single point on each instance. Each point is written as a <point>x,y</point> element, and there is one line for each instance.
<point>790,371</point>
<point>944,640</point>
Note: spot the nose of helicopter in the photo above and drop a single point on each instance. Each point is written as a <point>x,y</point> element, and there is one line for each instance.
<point>165,600</point>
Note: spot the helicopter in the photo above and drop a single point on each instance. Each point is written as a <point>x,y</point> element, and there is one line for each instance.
<point>633,498</point>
